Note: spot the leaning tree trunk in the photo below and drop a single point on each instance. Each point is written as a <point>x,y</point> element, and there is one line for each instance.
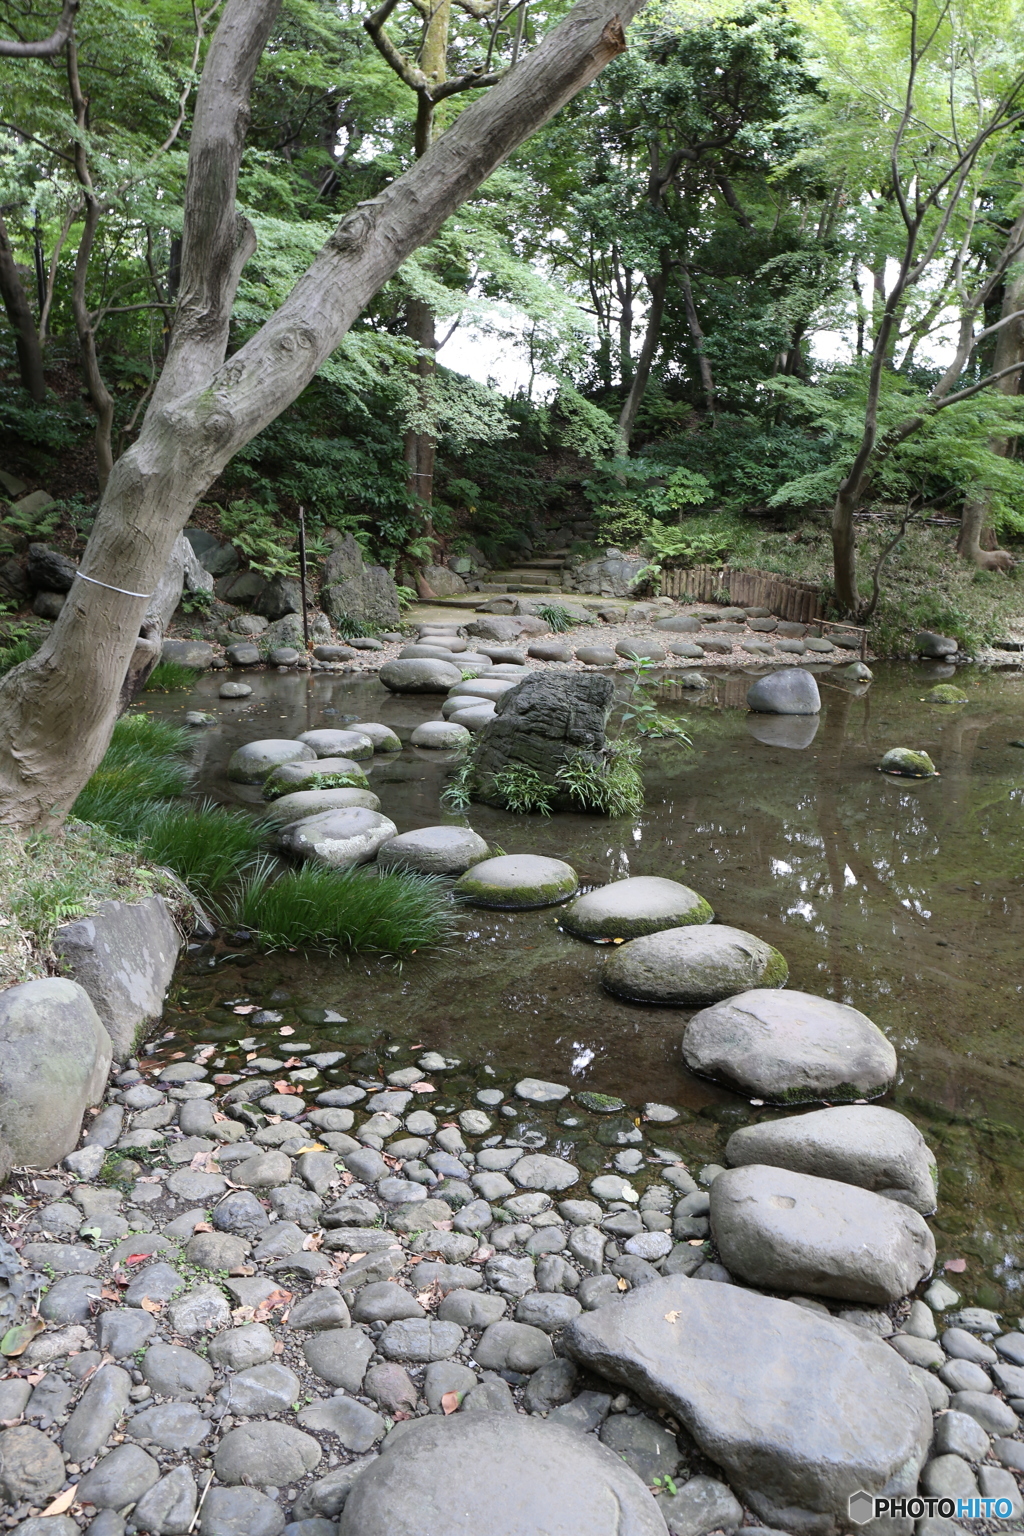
<point>19,313</point>
<point>657,284</point>
<point>57,709</point>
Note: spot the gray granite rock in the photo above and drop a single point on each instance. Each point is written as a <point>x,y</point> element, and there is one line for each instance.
<point>176,1372</point>
<point>515,1475</point>
<point>266,1454</point>
<point>790,691</point>
<point>31,1467</point>
<point>434,850</point>
<point>54,1058</point>
<point>240,1512</point>
<point>174,1426</point>
<point>692,966</point>
<point>124,1330</point>
<point>420,1340</point>
<point>338,839</point>
<point>122,1477</point>
<point>238,1348</point>
<point>843,1411</point>
<point>649,1448</point>
<point>123,955</point>
<point>339,1356</point>
<point>703,1504</point>
<point>169,1506</point>
<point>99,1408</point>
<point>354,1425</point>
<point>628,909</point>
<point>510,1346</point>
<point>262,1389</point>
<point>790,1047</point>
<point>864,1144</point>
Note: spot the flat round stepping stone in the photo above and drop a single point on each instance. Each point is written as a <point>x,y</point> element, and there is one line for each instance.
<point>312,771</point>
<point>383,737</point>
<point>645,650</point>
<point>628,908</point>
<point>510,673</point>
<point>474,718</point>
<point>757,647</point>
<point>423,675</point>
<point>311,802</point>
<point>339,839</point>
<point>863,1144</point>
<point>233,691</point>
<point>536,1091</point>
<point>794,732</point>
<point>502,654</point>
<point>252,763</point>
<point>243,654</point>
<point>792,1231</point>
<point>330,743</point>
<point>716,647</point>
<point>596,656</point>
<point>822,647</point>
<point>761,623</point>
<point>518,881</point>
<point>602,1103</point>
<point>460,701</point>
<point>791,647</point>
<point>283,656</point>
<point>505,1474</point>
<point>692,966</point>
<point>790,1048</point>
<point>333,652</point>
<point>787,692</point>
<point>550,650</point>
<point>435,650</point>
<point>687,651</point>
<point>482,687</point>
<point>905,763</point>
<point>441,735</point>
<point>434,850</point>
<point>683,623</point>
<point>538,1171</point>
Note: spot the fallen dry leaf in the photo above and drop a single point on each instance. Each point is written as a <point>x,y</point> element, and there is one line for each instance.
<point>222,1079</point>
<point>109,1295</point>
<point>138,1258</point>
<point>313,1243</point>
<point>178,1056</point>
<point>956,1266</point>
<point>243,1314</point>
<point>347,1178</point>
<point>450,1402</point>
<point>285,1087</point>
<point>149,1178</point>
<point>423,1088</point>
<point>481,1255</point>
<point>294,1061</point>
<point>286,1029</point>
<point>672,1317</point>
<point>251,1055</point>
<point>400,1416</point>
<point>623,1286</point>
<point>243,1270</point>
<point>442,1226</point>
<point>279,1348</point>
<point>202,1226</point>
<point>62,1502</point>
<point>244,1008</point>
<point>149,1305</point>
<point>695,1242</point>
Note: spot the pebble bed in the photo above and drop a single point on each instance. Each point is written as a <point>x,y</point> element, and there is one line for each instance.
<point>259,1264</point>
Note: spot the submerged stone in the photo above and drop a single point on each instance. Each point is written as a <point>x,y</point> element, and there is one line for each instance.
<point>424,675</point>
<point>692,966</point>
<point>946,693</point>
<point>317,773</point>
<point>626,909</point>
<point>788,692</point>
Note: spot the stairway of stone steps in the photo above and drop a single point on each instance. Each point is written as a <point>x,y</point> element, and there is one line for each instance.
<point>540,575</point>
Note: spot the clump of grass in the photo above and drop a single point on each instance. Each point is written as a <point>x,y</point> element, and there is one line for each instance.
<point>170,677</point>
<point>316,908</point>
<point>52,878</point>
<point>556,617</point>
<point>18,651</point>
<point>206,846</point>
<point>457,795</point>
<point>522,790</point>
<point>610,788</point>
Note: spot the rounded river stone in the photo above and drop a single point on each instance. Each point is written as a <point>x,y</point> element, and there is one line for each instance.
<point>332,743</point>
<point>790,691</point>
<point>313,802</point>
<point>692,966</point>
<point>517,881</point>
<point>252,763</point>
<point>339,839</point>
<point>266,1454</point>
<point>311,774</point>
<point>419,675</point>
<point>434,850</point>
<point>626,909</point>
<point>493,688</point>
<point>440,735</point>
<point>790,1048</point>
<point>475,717</point>
<point>383,737</point>
<point>505,1474</point>
<point>905,763</point>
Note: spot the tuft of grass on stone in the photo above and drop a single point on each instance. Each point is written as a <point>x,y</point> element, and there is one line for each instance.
<point>556,617</point>
<point>395,913</point>
<point>523,790</point>
<point>611,788</point>
<point>170,677</point>
<point>206,846</point>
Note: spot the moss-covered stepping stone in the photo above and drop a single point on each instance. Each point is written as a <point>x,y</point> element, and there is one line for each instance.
<point>310,802</point>
<point>626,909</point>
<point>252,763</point>
<point>601,1103</point>
<point>314,773</point>
<point>946,693</point>
<point>905,763</point>
<point>330,743</point>
<point>692,966</point>
<point>518,881</point>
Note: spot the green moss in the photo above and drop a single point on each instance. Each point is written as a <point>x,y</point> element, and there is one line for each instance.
<point>776,972</point>
<point>905,763</point>
<point>946,693</point>
<point>600,1103</point>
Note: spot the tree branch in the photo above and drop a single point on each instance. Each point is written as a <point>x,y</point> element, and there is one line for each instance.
<point>46,47</point>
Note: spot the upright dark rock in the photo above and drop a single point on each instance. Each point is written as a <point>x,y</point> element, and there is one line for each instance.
<point>547,718</point>
<point>357,591</point>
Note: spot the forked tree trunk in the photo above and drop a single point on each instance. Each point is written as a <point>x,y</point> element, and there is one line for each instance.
<point>57,710</point>
<point>657,284</point>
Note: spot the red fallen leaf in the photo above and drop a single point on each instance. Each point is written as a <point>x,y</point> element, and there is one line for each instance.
<point>223,1078</point>
<point>251,1055</point>
<point>450,1401</point>
<point>202,1226</point>
<point>154,1307</point>
<point>138,1258</point>
<point>178,1056</point>
<point>442,1226</point>
<point>956,1266</point>
<point>284,1087</point>
<point>294,1061</point>
<point>481,1256</point>
<point>279,1348</point>
<point>347,1178</point>
<point>313,1242</point>
<point>109,1295</point>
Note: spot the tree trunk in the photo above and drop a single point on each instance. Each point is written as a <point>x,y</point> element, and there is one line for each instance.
<point>844,549</point>
<point>57,709</point>
<point>697,337</point>
<point>19,313</point>
<point>657,284</point>
<point>420,447</point>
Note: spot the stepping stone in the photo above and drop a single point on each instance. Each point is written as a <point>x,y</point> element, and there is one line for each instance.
<point>626,909</point>
<point>794,732</point>
<point>440,735</point>
<point>234,691</point>
<point>291,777</point>
<point>338,839</point>
<point>312,802</point>
<point>788,692</point>
<point>822,647</point>
<point>460,701</point>
<point>688,652</point>
<point>283,656</point>
<point>423,651</point>
<point>506,1474</point>
<point>475,717</point>
<point>503,654</point>
<point>434,850</point>
<point>492,688</point>
<point>790,647</point>
<point>333,652</point>
<point>597,656</point>
<point>716,647</point>
<point>517,881</point>
<point>424,675</point>
<point>550,650</point>
<point>383,737</point>
<point>863,1144</point>
<point>692,966</point>
<point>790,1048</point>
<point>790,1231</point>
<point>757,647</point>
<point>338,743</point>
<point>681,624</point>
<point>645,650</point>
<point>538,1171</point>
<point>252,763</point>
<point>799,1411</point>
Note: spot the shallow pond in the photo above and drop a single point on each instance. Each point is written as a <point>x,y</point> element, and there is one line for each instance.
<point>903,898</point>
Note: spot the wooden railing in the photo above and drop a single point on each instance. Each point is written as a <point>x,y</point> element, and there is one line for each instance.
<point>785,596</point>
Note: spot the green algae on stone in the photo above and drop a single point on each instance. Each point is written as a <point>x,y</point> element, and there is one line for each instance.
<point>908,764</point>
<point>600,1103</point>
<point>517,882</point>
<point>945,693</point>
<point>628,909</point>
<point>693,967</point>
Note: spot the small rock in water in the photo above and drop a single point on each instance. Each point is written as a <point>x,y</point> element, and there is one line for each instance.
<point>234,691</point>
<point>905,763</point>
<point>945,693</point>
<point>196,716</point>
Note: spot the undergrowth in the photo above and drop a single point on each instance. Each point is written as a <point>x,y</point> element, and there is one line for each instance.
<point>395,913</point>
<point>170,677</point>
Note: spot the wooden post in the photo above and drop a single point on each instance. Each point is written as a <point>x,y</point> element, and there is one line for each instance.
<point>302,574</point>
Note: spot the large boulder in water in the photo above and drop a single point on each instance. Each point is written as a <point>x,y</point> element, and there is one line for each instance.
<point>790,1047</point>
<point>692,966</point>
<point>499,1473</point>
<point>790,691</point>
<point>794,1232</point>
<point>626,909</point>
<point>539,723</point>
<point>864,1144</point>
<point>800,1411</point>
